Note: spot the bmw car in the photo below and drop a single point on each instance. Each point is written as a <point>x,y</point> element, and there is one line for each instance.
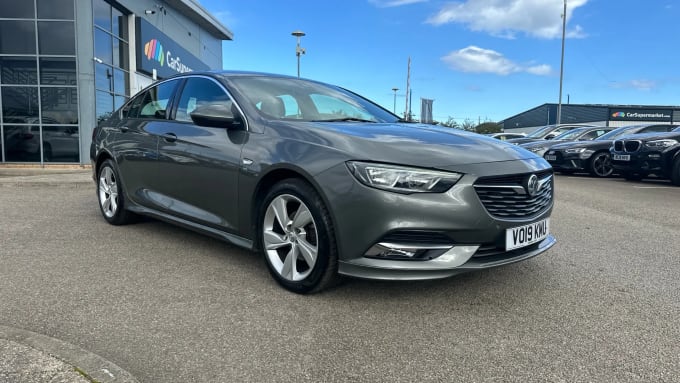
<point>320,181</point>
<point>636,157</point>
<point>593,156</point>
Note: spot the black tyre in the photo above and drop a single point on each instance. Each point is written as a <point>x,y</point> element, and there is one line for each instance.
<point>600,165</point>
<point>295,234</point>
<point>110,195</point>
<point>675,172</point>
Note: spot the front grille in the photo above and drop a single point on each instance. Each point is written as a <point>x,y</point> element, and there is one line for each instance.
<point>627,145</point>
<point>506,197</point>
<point>632,146</point>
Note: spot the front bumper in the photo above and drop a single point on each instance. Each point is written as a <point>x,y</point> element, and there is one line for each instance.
<point>641,162</point>
<point>567,161</point>
<point>364,217</point>
<point>463,261</point>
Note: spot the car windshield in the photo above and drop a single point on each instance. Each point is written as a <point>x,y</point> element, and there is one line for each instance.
<point>540,132</point>
<point>283,98</point>
<point>614,134</point>
<point>570,134</point>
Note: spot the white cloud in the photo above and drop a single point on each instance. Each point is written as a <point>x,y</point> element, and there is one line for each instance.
<point>394,3</point>
<point>506,18</point>
<point>478,60</point>
<point>635,84</point>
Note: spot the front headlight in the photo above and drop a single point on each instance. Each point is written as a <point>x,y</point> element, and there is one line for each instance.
<point>402,179</point>
<point>586,154</point>
<point>661,143</point>
<point>575,150</point>
<point>538,150</point>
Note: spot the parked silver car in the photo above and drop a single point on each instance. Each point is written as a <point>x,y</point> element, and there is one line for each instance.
<point>321,181</point>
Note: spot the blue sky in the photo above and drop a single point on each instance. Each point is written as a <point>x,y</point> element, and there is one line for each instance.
<point>478,59</point>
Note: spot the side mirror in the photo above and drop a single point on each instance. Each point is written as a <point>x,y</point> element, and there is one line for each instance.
<point>216,115</point>
<point>550,136</point>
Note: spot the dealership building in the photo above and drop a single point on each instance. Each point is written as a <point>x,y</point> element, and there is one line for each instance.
<point>64,64</point>
<point>605,115</point>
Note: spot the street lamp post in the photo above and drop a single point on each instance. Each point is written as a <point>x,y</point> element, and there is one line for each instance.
<point>394,107</point>
<point>564,29</point>
<point>298,50</point>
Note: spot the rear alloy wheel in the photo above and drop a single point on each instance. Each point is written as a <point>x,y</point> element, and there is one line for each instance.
<point>601,165</point>
<point>110,193</point>
<point>675,172</point>
<point>296,238</point>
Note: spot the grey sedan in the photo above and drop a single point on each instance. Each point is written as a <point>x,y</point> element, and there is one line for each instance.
<point>319,180</point>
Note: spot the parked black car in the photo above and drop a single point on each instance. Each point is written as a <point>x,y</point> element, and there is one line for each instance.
<point>580,134</point>
<point>639,156</point>
<point>546,133</point>
<point>593,156</point>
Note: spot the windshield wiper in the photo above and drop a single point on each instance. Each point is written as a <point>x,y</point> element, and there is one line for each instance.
<point>352,119</point>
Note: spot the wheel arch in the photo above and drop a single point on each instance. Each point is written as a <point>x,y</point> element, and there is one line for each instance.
<point>271,178</point>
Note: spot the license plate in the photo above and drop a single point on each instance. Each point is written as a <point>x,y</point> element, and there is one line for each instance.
<point>526,235</point>
<point>621,157</point>
<point>549,157</point>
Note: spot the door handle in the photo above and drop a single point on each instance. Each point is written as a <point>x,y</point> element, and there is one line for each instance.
<point>124,129</point>
<point>170,137</point>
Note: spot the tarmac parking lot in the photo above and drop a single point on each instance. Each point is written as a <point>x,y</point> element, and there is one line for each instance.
<point>170,305</point>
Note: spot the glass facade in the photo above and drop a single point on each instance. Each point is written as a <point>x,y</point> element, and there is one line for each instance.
<point>59,66</point>
<point>38,81</point>
<point>111,73</point>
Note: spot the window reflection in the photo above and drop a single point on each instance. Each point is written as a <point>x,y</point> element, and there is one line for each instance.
<point>59,105</point>
<point>103,77</point>
<point>120,84</point>
<point>16,9</point>
<point>55,9</point>
<point>19,104</point>
<point>56,38</point>
<point>18,70</point>
<point>102,14</point>
<point>57,71</point>
<point>103,46</point>
<point>104,105</point>
<point>60,144</point>
<point>119,27</point>
<point>120,53</point>
<point>22,143</point>
<point>17,37</point>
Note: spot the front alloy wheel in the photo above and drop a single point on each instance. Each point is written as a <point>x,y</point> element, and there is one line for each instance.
<point>290,237</point>
<point>296,237</point>
<point>601,165</point>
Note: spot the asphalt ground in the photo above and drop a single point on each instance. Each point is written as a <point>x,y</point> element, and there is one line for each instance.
<point>170,305</point>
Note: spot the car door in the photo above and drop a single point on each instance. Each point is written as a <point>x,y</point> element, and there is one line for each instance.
<point>136,141</point>
<point>199,165</point>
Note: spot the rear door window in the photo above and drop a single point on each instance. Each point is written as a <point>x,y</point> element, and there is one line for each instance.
<point>154,102</point>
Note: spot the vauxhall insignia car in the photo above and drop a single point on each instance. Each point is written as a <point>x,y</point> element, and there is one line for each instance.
<point>579,134</point>
<point>593,156</point>
<point>636,157</point>
<point>319,180</point>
